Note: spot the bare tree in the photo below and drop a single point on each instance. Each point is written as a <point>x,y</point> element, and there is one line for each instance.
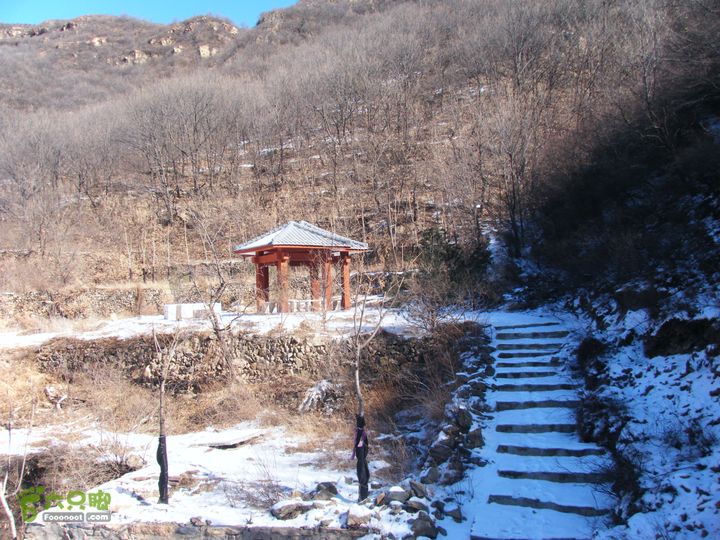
<point>361,339</point>
<point>5,490</point>
<point>166,354</point>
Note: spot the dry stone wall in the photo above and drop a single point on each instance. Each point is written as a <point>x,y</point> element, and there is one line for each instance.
<point>82,303</point>
<point>198,361</point>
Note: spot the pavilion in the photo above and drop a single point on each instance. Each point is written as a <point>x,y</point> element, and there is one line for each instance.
<point>298,243</point>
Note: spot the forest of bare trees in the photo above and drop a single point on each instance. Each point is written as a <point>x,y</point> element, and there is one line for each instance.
<point>462,115</point>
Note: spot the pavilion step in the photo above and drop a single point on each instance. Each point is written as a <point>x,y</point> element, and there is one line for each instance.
<point>531,335</point>
<point>525,374</point>
<point>525,346</point>
<point>526,354</point>
<point>549,363</point>
<point>508,500</point>
<point>534,387</point>
<point>514,405</point>
<point>516,326</point>
<point>549,452</point>
<point>559,477</point>
<point>535,428</point>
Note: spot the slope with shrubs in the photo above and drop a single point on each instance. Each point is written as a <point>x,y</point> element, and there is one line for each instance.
<point>380,120</point>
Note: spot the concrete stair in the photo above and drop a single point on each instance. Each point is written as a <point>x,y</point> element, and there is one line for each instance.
<point>545,505</point>
<point>549,452</point>
<point>535,363</point>
<point>531,335</point>
<point>541,481</point>
<point>514,405</point>
<point>535,428</point>
<point>540,346</point>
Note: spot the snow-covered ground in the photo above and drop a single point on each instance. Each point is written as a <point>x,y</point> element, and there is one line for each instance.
<point>335,324</point>
<point>671,409</point>
<point>662,396</point>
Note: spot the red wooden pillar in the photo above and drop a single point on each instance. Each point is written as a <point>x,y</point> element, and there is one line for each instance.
<point>262,287</point>
<point>283,278</point>
<point>346,300</point>
<point>315,286</point>
<point>327,285</point>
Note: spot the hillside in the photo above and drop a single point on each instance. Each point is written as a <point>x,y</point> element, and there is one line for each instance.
<point>66,64</point>
<point>539,184</point>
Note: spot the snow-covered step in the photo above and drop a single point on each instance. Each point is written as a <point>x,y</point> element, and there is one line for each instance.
<point>539,415</point>
<point>539,346</point>
<point>528,325</point>
<point>516,523</point>
<point>526,502</point>
<point>581,494</point>
<point>531,335</point>
<point>525,354</point>
<point>568,441</point>
<point>547,403</point>
<point>562,464</point>
<point>534,387</point>
<point>515,368</point>
<point>528,364</point>
<point>556,476</point>
<point>535,428</point>
<point>525,374</point>
<point>548,452</point>
<point>540,480</point>
<point>519,396</point>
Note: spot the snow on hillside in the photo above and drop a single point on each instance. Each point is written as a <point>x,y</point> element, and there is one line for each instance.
<point>334,324</point>
<point>667,427</point>
<point>668,423</point>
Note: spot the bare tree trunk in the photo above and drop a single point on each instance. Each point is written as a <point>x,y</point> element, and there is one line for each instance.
<point>4,487</point>
<point>5,506</point>
<point>360,341</point>
<point>162,458</point>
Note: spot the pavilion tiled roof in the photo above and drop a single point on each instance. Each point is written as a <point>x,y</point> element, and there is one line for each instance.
<point>299,234</point>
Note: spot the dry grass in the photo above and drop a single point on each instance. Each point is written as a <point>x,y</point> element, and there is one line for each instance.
<point>30,323</point>
<point>21,386</point>
<point>221,407</point>
<point>115,402</point>
<point>71,467</point>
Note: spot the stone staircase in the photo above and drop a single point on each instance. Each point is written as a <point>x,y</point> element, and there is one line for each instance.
<point>540,481</point>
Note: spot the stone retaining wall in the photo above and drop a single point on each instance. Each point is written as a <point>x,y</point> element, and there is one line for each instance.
<point>198,360</point>
<point>155,531</point>
<point>82,303</point>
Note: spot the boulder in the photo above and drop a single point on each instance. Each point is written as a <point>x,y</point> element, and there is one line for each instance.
<point>324,491</point>
<point>430,475</point>
<point>135,462</point>
<point>358,517</point>
<point>441,450</point>
<point>451,476</point>
<point>423,525</point>
<point>414,505</point>
<point>474,439</point>
<point>289,509</point>
<point>463,419</point>
<point>418,489</point>
<point>454,512</point>
<point>477,388</point>
<point>397,493</point>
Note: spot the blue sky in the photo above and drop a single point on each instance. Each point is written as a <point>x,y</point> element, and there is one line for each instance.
<point>241,12</point>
